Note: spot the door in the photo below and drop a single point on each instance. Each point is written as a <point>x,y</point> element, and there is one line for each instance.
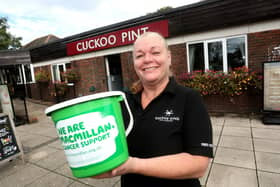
<point>114,72</point>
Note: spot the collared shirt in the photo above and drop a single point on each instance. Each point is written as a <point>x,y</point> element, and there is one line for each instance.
<point>176,121</point>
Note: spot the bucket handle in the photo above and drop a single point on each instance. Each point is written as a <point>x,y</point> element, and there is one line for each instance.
<point>131,121</point>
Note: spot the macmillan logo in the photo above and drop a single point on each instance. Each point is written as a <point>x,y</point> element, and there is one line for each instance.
<point>167,116</point>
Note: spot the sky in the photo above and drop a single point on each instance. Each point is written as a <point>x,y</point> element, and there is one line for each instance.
<point>31,19</point>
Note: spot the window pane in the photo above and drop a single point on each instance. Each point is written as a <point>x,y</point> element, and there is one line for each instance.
<point>68,65</point>
<point>55,73</point>
<point>215,52</point>
<point>61,70</point>
<point>236,52</point>
<point>27,72</point>
<point>196,57</point>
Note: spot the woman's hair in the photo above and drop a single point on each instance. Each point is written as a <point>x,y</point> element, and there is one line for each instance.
<point>137,86</point>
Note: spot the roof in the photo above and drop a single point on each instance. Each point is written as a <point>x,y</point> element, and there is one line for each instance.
<point>14,57</point>
<point>202,16</point>
<point>40,41</point>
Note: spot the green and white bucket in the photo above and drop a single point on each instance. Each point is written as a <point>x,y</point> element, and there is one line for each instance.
<point>92,132</point>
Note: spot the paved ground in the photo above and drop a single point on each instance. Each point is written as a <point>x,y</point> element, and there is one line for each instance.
<point>247,154</point>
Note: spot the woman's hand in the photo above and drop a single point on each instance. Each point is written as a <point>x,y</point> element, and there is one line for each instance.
<point>127,167</point>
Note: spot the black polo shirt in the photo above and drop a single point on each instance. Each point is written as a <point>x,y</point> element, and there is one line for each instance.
<point>176,121</point>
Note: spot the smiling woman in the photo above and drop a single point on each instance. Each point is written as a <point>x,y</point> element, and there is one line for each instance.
<point>172,129</point>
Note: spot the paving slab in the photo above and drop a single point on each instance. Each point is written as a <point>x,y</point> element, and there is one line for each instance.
<point>34,141</point>
<point>266,145</point>
<point>217,120</point>
<point>56,144</point>
<point>53,161</point>
<point>51,179</point>
<point>39,154</point>
<point>65,170</point>
<point>11,167</point>
<point>273,134</point>
<point>24,176</point>
<point>267,179</point>
<point>235,157</point>
<point>244,143</point>
<point>217,130</point>
<point>229,176</point>
<point>237,122</point>
<point>216,139</point>
<point>237,131</point>
<point>268,162</point>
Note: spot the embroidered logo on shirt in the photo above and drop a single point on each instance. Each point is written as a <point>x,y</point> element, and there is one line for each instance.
<point>167,116</point>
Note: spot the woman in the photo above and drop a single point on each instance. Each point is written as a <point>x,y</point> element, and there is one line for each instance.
<point>171,141</point>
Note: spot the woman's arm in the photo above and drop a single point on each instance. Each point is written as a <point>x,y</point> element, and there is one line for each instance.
<point>177,166</point>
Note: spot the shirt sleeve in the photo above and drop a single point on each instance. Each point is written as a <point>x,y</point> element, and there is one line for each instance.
<point>197,128</point>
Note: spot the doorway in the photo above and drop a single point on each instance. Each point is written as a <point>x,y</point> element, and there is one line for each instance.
<point>114,72</point>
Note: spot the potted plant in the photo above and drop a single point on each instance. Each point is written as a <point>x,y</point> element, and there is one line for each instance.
<point>42,76</point>
<point>71,75</point>
<point>60,88</point>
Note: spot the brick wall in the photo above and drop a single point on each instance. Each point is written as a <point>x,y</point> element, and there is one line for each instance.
<point>179,59</point>
<point>128,72</point>
<point>260,45</point>
<point>93,75</point>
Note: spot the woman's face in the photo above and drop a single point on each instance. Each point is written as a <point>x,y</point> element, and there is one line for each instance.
<point>151,59</point>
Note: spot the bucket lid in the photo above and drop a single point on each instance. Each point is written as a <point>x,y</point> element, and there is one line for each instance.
<point>71,102</point>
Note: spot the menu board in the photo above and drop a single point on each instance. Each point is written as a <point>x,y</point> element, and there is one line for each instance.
<point>271,86</point>
<point>8,142</point>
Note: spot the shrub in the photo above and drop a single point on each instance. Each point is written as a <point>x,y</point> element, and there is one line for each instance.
<point>71,75</point>
<point>42,76</point>
<point>237,82</point>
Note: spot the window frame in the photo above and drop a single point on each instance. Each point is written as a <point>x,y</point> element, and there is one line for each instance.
<point>57,71</point>
<point>224,48</point>
<point>24,76</point>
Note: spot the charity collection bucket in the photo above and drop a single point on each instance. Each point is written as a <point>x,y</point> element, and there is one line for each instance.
<point>92,132</point>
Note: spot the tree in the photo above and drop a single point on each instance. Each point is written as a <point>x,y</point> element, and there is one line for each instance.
<point>7,40</point>
<point>162,10</point>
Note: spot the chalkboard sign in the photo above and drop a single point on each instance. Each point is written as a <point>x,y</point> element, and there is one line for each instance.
<point>8,142</point>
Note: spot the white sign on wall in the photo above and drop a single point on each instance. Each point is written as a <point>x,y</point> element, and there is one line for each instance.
<point>272,86</point>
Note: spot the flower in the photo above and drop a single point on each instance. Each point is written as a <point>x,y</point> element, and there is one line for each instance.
<point>42,76</point>
<point>237,82</point>
<point>71,75</point>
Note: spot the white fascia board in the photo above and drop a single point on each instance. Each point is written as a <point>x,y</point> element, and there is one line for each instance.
<point>206,35</point>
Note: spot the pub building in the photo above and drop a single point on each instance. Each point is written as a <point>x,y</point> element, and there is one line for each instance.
<point>209,35</point>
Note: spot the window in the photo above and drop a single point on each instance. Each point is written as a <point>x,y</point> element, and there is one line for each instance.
<point>236,52</point>
<point>196,57</point>
<point>218,55</point>
<point>28,73</point>
<point>58,69</point>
